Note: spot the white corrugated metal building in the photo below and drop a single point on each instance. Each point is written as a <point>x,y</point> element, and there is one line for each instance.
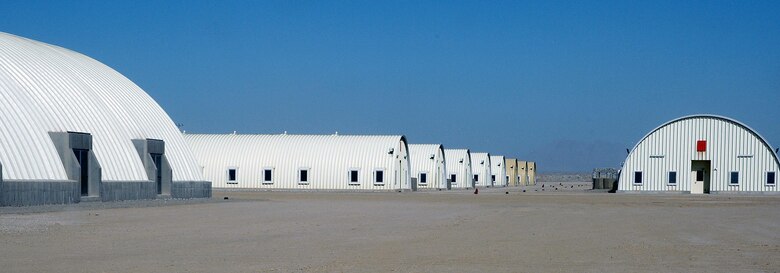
<point>498,170</point>
<point>480,169</point>
<point>61,110</point>
<point>303,162</point>
<point>459,168</point>
<point>701,154</point>
<point>429,168</point>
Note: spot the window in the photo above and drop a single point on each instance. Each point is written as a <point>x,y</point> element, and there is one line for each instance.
<point>231,176</point>
<point>770,178</point>
<point>507,178</point>
<point>734,178</point>
<point>700,175</point>
<point>353,177</point>
<point>476,178</point>
<point>493,177</point>
<point>453,178</point>
<point>673,178</point>
<point>268,176</point>
<point>423,178</point>
<point>303,176</point>
<point>379,177</point>
<point>637,177</point>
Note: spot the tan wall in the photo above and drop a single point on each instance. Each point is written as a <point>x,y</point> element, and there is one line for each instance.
<point>531,173</point>
<point>522,172</point>
<point>511,171</point>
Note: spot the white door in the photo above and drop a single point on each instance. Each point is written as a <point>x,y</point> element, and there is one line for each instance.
<point>698,181</point>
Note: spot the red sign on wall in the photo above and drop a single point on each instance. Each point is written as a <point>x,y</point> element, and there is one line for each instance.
<point>701,146</point>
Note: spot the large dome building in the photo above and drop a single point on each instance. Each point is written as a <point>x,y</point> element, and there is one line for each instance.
<point>74,129</point>
<point>701,154</point>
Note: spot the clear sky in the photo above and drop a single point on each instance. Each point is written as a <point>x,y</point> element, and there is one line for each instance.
<point>569,84</point>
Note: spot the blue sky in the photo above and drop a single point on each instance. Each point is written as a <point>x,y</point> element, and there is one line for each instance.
<point>570,84</point>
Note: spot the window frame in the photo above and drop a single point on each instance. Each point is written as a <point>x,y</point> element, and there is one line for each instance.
<point>375,176</point>
<point>264,180</point>
<point>357,177</point>
<point>235,175</point>
<point>669,178</point>
<point>774,178</point>
<point>300,175</point>
<point>641,178</point>
<point>732,178</point>
<point>420,178</point>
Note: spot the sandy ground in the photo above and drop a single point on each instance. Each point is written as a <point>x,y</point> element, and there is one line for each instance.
<point>400,232</point>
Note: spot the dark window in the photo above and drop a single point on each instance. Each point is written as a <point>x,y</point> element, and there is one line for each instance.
<point>672,177</point>
<point>476,178</point>
<point>734,178</point>
<point>637,177</point>
<point>379,177</point>
<point>423,178</point>
<point>453,178</point>
<point>493,177</point>
<point>507,178</point>
<point>268,175</point>
<point>231,175</point>
<point>699,175</point>
<point>770,178</point>
<point>304,176</point>
<point>353,176</point>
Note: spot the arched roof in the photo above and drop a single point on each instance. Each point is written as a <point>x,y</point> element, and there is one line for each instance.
<point>46,88</point>
<point>723,118</point>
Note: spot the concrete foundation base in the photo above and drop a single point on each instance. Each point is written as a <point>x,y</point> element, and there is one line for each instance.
<point>191,189</point>
<point>127,190</point>
<point>30,193</point>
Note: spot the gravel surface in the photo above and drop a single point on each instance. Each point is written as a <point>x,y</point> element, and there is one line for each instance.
<point>455,231</point>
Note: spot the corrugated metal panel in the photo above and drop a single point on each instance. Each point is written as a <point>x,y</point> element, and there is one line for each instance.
<point>731,146</point>
<point>45,88</point>
<point>511,171</point>
<point>498,168</point>
<point>428,159</point>
<point>459,164</point>
<point>480,165</point>
<point>328,159</point>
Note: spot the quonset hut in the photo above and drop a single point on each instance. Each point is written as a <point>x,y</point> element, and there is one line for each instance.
<point>73,129</point>
<point>480,168</point>
<point>701,154</point>
<point>429,168</point>
<point>459,168</point>
<point>304,162</point>
<point>511,171</point>
<point>498,170</point>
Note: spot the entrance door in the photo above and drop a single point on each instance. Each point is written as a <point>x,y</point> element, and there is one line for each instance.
<point>157,158</point>
<point>700,176</point>
<point>82,156</point>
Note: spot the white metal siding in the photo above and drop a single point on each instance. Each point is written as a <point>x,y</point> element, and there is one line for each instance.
<point>459,164</point>
<point>428,158</point>
<point>672,147</point>
<point>45,88</point>
<point>480,164</point>
<point>498,168</point>
<point>329,158</point>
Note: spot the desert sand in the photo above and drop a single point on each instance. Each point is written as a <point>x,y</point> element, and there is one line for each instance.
<point>455,231</point>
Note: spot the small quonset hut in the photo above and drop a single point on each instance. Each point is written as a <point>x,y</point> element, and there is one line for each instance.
<point>73,129</point>
<point>498,170</point>
<point>511,171</point>
<point>429,168</point>
<point>304,162</point>
<point>701,154</point>
<point>480,169</point>
<point>459,168</point>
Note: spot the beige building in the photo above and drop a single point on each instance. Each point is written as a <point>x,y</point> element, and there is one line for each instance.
<point>522,173</point>
<point>531,173</point>
<point>511,172</point>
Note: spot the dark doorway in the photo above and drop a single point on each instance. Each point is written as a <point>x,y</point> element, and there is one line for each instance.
<point>157,158</point>
<point>82,156</point>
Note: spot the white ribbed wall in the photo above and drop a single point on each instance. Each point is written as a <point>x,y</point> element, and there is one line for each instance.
<point>498,168</point>
<point>673,147</point>
<point>459,164</point>
<point>329,158</point>
<point>480,164</point>
<point>45,88</point>
<point>420,160</point>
